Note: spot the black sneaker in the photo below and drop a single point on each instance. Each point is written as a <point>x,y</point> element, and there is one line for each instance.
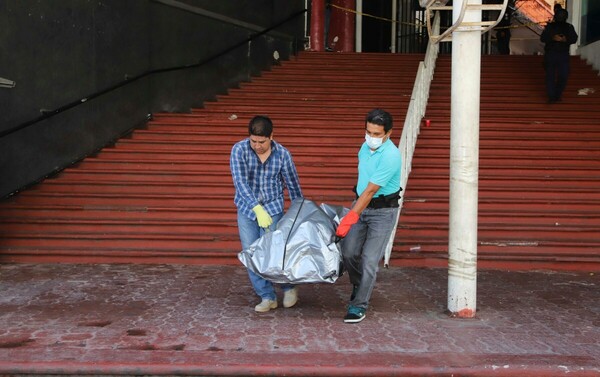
<point>354,314</point>
<point>354,290</point>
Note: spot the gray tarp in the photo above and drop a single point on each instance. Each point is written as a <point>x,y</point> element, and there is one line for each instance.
<point>302,249</point>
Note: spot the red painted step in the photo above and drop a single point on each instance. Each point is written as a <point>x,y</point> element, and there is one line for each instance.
<point>539,178</point>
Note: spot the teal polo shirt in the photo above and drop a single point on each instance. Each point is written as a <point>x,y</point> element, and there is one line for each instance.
<point>381,167</point>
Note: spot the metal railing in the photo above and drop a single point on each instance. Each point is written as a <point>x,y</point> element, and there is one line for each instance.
<point>412,122</point>
<point>460,23</point>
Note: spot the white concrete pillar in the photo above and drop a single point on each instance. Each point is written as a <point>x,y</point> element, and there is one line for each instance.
<point>464,164</point>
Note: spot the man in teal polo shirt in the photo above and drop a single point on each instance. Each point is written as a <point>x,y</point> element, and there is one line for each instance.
<point>368,226</point>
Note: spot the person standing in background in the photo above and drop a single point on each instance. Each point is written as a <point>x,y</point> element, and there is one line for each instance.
<point>503,35</point>
<point>557,37</point>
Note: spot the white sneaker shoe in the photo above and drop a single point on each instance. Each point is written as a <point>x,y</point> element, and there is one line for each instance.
<point>290,298</point>
<point>265,305</point>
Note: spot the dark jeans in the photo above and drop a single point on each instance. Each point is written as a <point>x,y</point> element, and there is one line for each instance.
<point>557,73</point>
<point>363,249</point>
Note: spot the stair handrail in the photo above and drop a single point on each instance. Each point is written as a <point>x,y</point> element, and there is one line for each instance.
<point>412,122</point>
<point>429,3</point>
<point>484,26</point>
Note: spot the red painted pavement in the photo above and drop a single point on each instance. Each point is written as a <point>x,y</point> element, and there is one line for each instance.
<point>199,320</point>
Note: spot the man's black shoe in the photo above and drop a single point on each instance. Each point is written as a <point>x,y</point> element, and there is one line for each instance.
<point>354,314</point>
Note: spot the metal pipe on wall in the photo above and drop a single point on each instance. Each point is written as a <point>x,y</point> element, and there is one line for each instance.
<point>6,83</point>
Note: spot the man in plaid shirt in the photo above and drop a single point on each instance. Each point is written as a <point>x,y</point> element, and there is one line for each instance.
<point>261,168</point>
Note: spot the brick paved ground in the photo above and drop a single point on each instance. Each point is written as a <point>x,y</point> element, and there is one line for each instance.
<point>199,320</point>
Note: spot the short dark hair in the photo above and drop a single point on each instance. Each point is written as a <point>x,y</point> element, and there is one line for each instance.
<point>381,118</point>
<point>260,125</point>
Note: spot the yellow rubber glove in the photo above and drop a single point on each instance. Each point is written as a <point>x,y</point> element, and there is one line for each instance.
<point>264,220</point>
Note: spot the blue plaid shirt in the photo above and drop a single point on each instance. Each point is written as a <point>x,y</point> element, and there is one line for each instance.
<point>257,183</point>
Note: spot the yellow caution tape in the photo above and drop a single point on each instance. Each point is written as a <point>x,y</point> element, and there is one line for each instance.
<point>348,10</point>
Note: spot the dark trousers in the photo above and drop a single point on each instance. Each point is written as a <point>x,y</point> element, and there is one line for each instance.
<point>504,46</point>
<point>557,73</point>
<point>364,247</point>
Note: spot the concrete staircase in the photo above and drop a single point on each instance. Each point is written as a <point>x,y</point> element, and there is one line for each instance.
<point>539,178</point>
<point>164,194</point>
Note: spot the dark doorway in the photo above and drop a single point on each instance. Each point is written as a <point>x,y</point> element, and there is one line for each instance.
<point>377,32</point>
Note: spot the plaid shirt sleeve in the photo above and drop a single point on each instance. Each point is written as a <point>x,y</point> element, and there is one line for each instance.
<point>240,173</point>
<point>290,176</point>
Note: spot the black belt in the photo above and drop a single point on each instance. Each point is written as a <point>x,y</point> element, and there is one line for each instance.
<point>384,201</point>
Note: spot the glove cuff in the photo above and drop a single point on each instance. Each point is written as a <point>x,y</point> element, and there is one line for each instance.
<point>352,216</point>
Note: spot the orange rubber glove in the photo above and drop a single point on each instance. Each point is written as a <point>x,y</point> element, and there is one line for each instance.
<point>350,219</point>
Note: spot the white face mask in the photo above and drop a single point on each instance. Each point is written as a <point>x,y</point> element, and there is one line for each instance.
<point>373,142</point>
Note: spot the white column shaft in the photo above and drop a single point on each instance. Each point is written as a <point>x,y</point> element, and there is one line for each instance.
<point>464,166</point>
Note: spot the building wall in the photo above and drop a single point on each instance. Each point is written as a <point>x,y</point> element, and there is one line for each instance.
<point>60,52</point>
<point>525,42</point>
<point>591,53</point>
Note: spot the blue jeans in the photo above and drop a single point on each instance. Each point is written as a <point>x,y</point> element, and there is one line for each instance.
<point>363,249</point>
<point>250,232</point>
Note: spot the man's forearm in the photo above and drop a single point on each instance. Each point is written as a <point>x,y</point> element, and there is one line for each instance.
<point>363,200</point>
